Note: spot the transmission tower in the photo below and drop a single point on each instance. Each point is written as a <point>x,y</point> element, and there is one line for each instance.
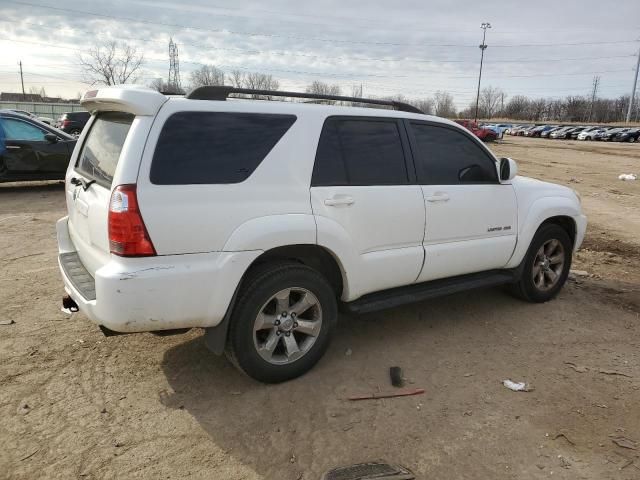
<point>594,92</point>
<point>174,66</point>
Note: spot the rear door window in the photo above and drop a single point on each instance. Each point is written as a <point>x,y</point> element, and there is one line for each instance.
<point>215,147</point>
<point>360,152</point>
<point>448,157</point>
<point>101,150</point>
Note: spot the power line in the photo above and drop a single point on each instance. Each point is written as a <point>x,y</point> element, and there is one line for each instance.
<point>304,37</point>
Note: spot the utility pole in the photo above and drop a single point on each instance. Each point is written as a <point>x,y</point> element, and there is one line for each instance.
<point>633,92</point>
<point>594,92</point>
<point>174,68</point>
<point>21,79</point>
<point>483,47</point>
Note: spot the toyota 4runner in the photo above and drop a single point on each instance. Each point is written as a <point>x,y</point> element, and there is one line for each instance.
<point>256,220</point>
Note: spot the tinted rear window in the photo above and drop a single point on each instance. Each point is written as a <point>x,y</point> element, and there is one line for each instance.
<point>214,147</point>
<point>101,150</point>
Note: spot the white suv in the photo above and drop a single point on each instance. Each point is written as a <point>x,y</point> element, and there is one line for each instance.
<point>256,219</point>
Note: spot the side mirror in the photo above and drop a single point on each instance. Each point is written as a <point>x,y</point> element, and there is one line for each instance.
<point>51,137</point>
<point>508,169</point>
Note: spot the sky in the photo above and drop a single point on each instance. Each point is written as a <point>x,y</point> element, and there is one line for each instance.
<point>414,48</point>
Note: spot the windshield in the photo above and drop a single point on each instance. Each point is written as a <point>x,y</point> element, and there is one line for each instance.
<point>101,150</point>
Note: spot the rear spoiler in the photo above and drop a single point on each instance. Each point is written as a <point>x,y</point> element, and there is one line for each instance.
<point>131,99</point>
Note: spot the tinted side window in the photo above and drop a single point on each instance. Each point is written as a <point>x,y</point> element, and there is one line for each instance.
<point>20,130</point>
<point>448,157</point>
<point>214,147</point>
<point>360,152</point>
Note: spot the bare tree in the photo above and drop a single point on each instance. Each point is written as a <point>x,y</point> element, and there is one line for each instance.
<point>427,105</point>
<point>112,64</point>
<point>321,88</point>
<point>206,75</point>
<point>237,79</point>
<point>490,99</point>
<point>165,87</point>
<point>255,81</point>
<point>444,105</point>
<point>38,91</point>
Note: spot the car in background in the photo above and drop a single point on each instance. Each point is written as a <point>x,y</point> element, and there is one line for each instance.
<point>500,129</point>
<point>538,131</point>
<point>631,136</point>
<point>34,150</point>
<point>73,122</point>
<point>484,134</point>
<point>47,120</point>
<point>561,133</point>
<point>516,129</point>
<point>547,133</point>
<point>609,134</point>
<point>577,131</point>
<point>591,133</point>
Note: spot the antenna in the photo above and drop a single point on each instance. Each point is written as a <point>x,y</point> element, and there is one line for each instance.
<point>174,67</point>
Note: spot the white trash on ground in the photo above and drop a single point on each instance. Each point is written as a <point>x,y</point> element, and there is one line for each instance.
<point>516,386</point>
<point>628,176</point>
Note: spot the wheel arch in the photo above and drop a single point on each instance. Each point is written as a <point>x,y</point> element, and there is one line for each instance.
<point>548,210</point>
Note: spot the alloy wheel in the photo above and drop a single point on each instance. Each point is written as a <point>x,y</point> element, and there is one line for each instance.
<point>548,265</point>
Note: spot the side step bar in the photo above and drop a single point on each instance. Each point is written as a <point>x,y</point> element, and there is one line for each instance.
<point>395,297</point>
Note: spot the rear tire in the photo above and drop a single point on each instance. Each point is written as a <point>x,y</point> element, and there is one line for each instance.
<point>546,265</point>
<point>282,322</point>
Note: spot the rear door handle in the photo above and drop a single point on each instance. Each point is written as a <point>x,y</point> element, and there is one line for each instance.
<point>438,197</point>
<point>339,200</point>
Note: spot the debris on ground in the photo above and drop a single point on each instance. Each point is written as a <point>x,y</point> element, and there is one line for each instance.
<point>613,372</point>
<point>517,386</point>
<point>7,322</point>
<point>399,393</point>
<point>579,273</point>
<point>563,435</point>
<point>577,368</point>
<point>348,352</point>
<point>24,408</point>
<point>564,463</point>
<point>627,176</point>
<point>624,442</point>
<point>364,471</point>
<point>396,376</point>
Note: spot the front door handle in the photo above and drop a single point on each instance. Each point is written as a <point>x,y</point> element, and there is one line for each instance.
<point>339,200</point>
<point>13,147</point>
<point>438,197</point>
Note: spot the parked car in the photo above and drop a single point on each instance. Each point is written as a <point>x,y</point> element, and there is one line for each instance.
<point>609,134</point>
<point>547,133</point>
<point>484,134</point>
<point>500,129</point>
<point>516,129</point>
<point>523,131</point>
<point>34,150</point>
<point>73,122</point>
<point>537,131</point>
<point>573,135</point>
<point>47,120</point>
<point>591,133</point>
<point>630,135</point>
<point>561,133</point>
<point>256,219</point>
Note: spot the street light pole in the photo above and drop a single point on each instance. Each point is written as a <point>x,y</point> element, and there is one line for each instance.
<point>483,47</point>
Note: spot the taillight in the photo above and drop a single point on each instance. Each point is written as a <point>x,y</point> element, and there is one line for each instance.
<point>66,123</point>
<point>128,237</point>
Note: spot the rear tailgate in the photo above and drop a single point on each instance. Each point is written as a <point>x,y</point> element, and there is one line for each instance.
<point>89,183</point>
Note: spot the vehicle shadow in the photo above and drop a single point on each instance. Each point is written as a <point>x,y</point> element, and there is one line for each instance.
<point>304,427</point>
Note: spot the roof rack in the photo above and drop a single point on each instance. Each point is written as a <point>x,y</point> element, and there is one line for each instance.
<point>221,92</point>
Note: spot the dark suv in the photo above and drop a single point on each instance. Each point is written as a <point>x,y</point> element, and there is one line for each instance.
<point>73,122</point>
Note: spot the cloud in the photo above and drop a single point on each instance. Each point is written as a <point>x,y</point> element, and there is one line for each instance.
<point>414,48</point>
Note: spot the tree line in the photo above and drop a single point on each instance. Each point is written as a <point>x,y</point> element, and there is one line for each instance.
<point>113,63</point>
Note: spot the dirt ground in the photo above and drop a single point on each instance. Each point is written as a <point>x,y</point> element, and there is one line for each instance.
<point>74,404</point>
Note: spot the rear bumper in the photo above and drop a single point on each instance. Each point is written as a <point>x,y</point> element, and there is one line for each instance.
<point>154,293</point>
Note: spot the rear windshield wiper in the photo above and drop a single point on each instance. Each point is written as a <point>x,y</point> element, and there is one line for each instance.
<point>81,181</point>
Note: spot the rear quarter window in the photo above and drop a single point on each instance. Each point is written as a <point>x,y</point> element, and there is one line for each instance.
<point>100,153</point>
<point>214,147</point>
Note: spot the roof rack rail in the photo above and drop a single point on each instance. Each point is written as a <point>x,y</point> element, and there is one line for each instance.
<point>221,92</point>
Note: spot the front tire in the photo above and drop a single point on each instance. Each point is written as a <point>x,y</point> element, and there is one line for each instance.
<point>282,322</point>
<point>546,265</point>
